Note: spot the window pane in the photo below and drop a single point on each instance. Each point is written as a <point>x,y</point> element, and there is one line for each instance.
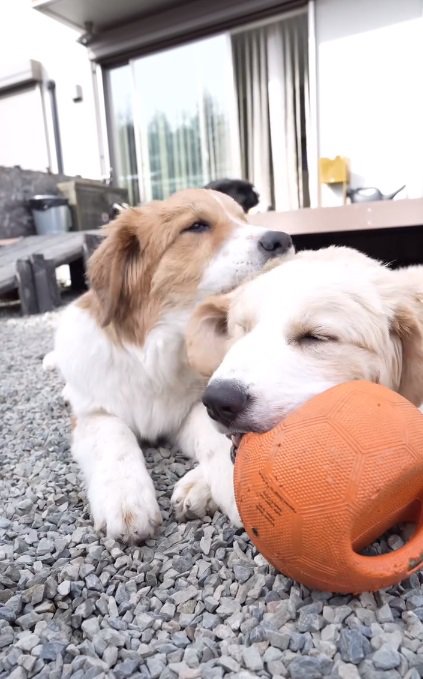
<point>187,117</point>
<point>121,131</point>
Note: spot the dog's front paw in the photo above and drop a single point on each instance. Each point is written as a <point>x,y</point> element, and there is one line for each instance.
<point>125,509</point>
<point>222,491</point>
<point>191,496</point>
<point>227,505</point>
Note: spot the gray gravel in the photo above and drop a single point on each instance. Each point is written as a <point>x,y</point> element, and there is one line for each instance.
<point>197,602</point>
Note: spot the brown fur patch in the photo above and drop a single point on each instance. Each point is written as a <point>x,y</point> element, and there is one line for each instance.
<point>73,422</point>
<point>409,329</point>
<point>207,334</point>
<point>149,263</point>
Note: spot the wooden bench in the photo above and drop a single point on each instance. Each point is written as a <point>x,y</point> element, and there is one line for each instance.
<point>29,266</point>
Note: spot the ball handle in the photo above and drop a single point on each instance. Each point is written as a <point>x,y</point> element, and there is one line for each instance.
<point>380,571</point>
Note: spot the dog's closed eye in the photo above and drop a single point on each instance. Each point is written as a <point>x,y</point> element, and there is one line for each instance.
<point>311,337</point>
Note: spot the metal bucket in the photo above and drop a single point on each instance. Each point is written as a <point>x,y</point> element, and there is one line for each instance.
<point>51,214</point>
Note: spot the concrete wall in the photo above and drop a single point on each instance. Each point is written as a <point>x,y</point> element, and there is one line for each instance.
<point>27,34</point>
<point>16,186</point>
<point>370,91</point>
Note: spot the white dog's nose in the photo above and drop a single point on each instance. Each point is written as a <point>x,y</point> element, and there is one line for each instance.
<point>225,400</point>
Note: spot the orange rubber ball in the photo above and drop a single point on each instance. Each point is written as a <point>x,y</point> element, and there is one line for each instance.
<point>329,480</point>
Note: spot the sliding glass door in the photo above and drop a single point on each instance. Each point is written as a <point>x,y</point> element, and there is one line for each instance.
<point>184,116</point>
<point>173,119</point>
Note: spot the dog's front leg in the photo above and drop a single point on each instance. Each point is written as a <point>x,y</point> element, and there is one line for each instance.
<point>210,484</point>
<point>119,488</point>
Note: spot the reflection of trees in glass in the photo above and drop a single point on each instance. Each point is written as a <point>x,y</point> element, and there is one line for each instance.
<point>127,159</point>
<point>190,154</point>
<point>217,137</point>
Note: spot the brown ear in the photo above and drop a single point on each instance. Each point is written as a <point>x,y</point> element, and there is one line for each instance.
<point>408,327</point>
<point>114,270</point>
<point>207,334</point>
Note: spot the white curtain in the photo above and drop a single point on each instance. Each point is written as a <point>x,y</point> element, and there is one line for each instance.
<point>271,74</point>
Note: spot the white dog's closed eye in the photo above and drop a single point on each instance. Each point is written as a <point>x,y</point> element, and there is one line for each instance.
<point>320,319</point>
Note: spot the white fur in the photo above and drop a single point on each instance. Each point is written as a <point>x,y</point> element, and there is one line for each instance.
<point>236,261</point>
<point>120,490</point>
<point>212,450</point>
<point>119,392</point>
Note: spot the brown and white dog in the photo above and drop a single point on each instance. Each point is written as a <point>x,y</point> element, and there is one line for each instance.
<point>121,351</point>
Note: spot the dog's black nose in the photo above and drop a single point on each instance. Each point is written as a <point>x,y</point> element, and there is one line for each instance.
<point>224,400</point>
<point>275,243</point>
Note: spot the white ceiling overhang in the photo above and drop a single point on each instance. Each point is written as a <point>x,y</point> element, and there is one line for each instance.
<point>116,30</point>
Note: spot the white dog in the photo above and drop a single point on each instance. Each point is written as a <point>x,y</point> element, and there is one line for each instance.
<point>321,318</point>
<point>121,351</point>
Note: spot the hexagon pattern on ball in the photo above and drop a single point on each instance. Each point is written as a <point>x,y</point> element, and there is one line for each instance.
<point>329,480</point>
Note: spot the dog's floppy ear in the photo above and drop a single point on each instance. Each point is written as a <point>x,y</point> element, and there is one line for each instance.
<point>403,291</point>
<point>207,334</point>
<point>114,270</point>
<point>408,327</point>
